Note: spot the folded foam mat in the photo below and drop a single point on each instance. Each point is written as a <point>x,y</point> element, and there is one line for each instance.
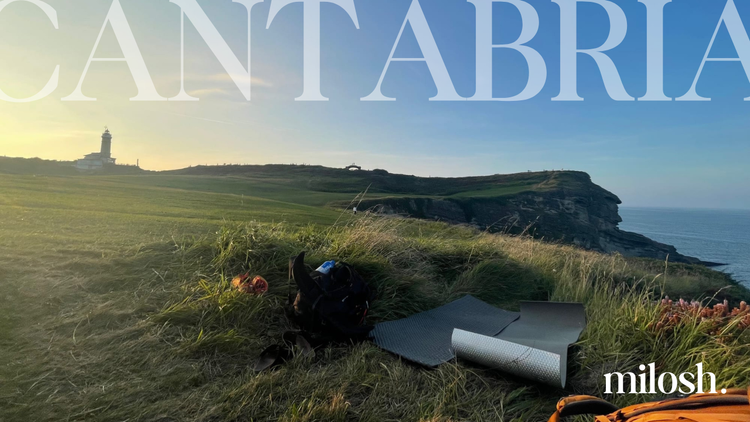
<point>425,338</point>
<point>534,347</point>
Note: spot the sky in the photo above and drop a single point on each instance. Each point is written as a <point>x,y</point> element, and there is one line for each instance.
<point>653,154</point>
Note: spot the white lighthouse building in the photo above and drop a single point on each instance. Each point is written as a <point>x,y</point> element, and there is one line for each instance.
<point>98,160</point>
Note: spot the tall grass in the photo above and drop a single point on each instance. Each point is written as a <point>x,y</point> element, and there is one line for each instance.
<point>416,266</point>
<point>116,306</point>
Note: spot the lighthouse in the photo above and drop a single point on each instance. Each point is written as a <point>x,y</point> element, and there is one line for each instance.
<point>106,151</point>
<point>97,161</point>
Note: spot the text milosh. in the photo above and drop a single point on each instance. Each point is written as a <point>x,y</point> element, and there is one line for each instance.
<point>650,383</point>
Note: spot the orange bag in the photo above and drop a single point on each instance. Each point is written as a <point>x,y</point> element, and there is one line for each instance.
<point>734,406</point>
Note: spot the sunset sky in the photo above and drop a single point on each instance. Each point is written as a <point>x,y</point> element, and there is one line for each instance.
<point>669,154</point>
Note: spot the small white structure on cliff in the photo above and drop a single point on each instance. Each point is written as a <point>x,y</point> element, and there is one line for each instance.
<point>98,160</point>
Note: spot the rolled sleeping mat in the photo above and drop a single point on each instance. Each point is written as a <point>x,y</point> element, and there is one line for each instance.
<point>523,361</point>
<point>534,347</point>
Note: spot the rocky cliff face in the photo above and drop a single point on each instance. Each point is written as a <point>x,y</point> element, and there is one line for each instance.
<point>579,213</point>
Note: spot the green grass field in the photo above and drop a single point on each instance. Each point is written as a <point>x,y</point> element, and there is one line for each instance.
<point>115,305</point>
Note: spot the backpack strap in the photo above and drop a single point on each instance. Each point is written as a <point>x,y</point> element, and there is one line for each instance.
<point>694,402</point>
<point>289,280</point>
<point>307,285</point>
<point>589,405</point>
<point>581,405</point>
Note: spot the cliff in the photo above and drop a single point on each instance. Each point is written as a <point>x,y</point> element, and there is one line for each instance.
<point>566,207</point>
<point>559,206</point>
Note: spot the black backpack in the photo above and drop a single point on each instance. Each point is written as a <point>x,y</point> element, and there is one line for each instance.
<point>332,306</point>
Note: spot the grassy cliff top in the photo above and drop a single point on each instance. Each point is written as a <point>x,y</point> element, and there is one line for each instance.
<point>325,179</point>
<point>318,185</point>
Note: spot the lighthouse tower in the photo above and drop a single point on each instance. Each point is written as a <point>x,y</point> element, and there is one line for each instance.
<point>106,151</point>
<point>96,161</point>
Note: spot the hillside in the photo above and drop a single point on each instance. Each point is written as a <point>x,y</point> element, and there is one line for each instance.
<point>325,179</point>
<point>563,206</point>
<point>558,206</point>
<point>115,304</point>
<point>12,165</point>
<point>38,166</point>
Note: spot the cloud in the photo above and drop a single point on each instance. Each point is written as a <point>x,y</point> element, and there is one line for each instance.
<point>209,92</point>
<point>219,85</point>
<point>223,122</point>
<point>226,77</point>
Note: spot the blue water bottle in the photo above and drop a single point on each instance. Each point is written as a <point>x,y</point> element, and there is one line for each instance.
<point>326,267</point>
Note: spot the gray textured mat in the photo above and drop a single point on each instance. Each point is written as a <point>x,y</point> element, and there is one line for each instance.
<point>425,338</point>
<point>534,347</point>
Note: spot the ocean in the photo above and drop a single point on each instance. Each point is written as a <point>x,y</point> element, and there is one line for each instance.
<point>711,235</point>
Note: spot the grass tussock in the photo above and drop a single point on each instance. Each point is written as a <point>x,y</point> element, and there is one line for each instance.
<point>415,266</point>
